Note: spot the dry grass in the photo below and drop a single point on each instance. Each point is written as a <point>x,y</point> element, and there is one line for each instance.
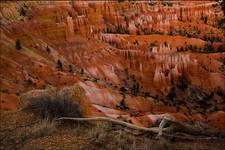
<point>44,128</point>
<point>18,128</point>
<point>33,133</point>
<point>105,136</point>
<point>98,131</point>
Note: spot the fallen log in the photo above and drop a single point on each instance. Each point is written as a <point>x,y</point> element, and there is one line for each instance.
<point>129,125</point>
<point>195,129</point>
<point>175,126</point>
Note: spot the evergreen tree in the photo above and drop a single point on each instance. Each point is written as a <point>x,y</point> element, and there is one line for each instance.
<point>205,19</point>
<point>70,69</point>
<point>121,1</point>
<point>48,49</point>
<point>181,49</point>
<point>18,44</point>
<point>59,65</point>
<point>208,47</point>
<point>23,11</point>
<point>82,71</point>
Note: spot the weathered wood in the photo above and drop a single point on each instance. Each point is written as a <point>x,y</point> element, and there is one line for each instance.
<point>195,129</point>
<point>174,126</point>
<point>129,125</point>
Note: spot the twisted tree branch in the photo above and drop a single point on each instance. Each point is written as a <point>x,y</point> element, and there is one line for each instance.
<point>176,126</point>
<point>129,125</point>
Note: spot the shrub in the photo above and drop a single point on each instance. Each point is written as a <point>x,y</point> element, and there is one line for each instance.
<point>122,105</point>
<point>167,71</point>
<point>18,44</point>
<point>135,89</point>
<point>123,89</point>
<point>48,49</point>
<point>181,48</point>
<point>59,65</point>
<point>221,23</point>
<point>121,1</point>
<point>70,68</point>
<point>53,107</point>
<point>182,82</point>
<point>221,48</point>
<point>147,32</point>
<point>204,19</point>
<point>172,94</point>
<point>23,11</point>
<point>120,30</point>
<point>81,71</point>
<point>146,94</point>
<point>220,92</point>
<point>208,47</point>
<point>138,32</point>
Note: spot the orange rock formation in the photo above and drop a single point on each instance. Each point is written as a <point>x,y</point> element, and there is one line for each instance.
<point>139,54</point>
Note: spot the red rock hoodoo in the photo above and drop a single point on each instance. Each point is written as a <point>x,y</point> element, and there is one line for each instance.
<point>132,59</point>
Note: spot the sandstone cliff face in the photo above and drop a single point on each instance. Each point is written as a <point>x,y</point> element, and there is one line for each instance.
<point>138,48</point>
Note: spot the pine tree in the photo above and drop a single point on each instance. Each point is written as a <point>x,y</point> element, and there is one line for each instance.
<point>121,1</point>
<point>82,71</point>
<point>48,49</point>
<point>18,44</point>
<point>23,11</point>
<point>70,69</point>
<point>59,65</point>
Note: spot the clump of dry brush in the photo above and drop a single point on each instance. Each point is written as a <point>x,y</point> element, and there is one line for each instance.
<point>54,107</point>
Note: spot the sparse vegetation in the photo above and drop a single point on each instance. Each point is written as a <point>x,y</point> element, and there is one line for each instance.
<point>221,48</point>
<point>23,10</point>
<point>212,39</point>
<point>59,65</point>
<point>45,127</point>
<point>121,1</point>
<point>221,23</point>
<point>123,89</point>
<point>146,32</point>
<point>167,71</point>
<point>123,139</point>
<point>138,32</point>
<point>135,88</point>
<point>70,69</point>
<point>181,82</point>
<point>48,50</point>
<point>18,44</point>
<point>172,94</point>
<point>118,30</point>
<point>208,48</point>
<point>204,19</point>
<point>81,71</point>
<point>52,107</point>
<point>122,105</point>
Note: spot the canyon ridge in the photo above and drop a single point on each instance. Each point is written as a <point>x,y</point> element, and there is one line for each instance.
<point>136,63</point>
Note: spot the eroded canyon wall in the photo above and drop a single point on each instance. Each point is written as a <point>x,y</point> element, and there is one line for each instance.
<point>141,49</point>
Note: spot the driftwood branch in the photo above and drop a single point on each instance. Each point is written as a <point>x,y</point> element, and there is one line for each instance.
<point>175,126</point>
<point>126,124</point>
